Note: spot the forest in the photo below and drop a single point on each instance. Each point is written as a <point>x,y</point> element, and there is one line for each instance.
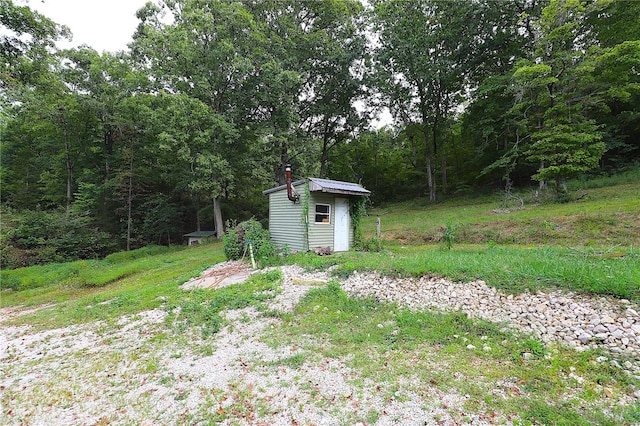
<point>183,131</point>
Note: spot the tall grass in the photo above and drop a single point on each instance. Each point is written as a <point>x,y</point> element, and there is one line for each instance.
<point>587,182</point>
<point>512,269</point>
<point>86,273</point>
<point>123,284</point>
<point>600,216</point>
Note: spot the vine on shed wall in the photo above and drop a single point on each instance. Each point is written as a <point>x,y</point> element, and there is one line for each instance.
<point>357,210</point>
<point>305,214</point>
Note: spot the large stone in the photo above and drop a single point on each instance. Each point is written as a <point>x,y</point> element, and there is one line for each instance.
<point>607,320</point>
<point>584,338</point>
<point>617,334</point>
<point>600,329</point>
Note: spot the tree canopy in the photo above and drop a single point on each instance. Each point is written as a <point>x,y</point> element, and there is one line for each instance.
<point>214,98</point>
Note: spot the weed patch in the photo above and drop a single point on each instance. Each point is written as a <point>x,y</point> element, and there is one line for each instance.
<point>202,308</point>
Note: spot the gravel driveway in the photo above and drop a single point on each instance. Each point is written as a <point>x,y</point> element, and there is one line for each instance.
<point>138,371</point>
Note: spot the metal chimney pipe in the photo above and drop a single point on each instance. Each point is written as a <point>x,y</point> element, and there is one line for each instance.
<point>292,197</point>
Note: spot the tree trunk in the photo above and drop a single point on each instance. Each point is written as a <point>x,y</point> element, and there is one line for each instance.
<point>443,169</point>
<point>324,157</point>
<point>69,167</point>
<point>323,163</point>
<point>130,201</point>
<point>542,184</point>
<point>284,160</point>
<point>561,185</point>
<point>197,205</point>
<point>430,180</point>
<point>217,217</point>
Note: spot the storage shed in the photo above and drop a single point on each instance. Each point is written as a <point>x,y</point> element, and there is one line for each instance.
<point>311,213</point>
<point>198,237</point>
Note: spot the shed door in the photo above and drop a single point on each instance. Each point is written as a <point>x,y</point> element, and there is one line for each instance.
<point>341,229</point>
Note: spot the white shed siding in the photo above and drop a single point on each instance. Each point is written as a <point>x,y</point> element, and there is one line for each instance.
<point>285,221</point>
<point>321,234</point>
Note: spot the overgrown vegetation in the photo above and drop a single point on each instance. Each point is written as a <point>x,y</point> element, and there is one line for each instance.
<point>201,308</point>
<point>531,90</point>
<point>124,283</point>
<point>38,237</point>
<point>248,239</point>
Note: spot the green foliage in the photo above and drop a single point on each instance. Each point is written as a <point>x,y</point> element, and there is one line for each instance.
<point>357,210</point>
<point>202,308</point>
<point>566,149</point>
<point>233,248</point>
<point>37,237</point>
<point>143,148</point>
<point>237,239</point>
<point>369,244</point>
<point>449,235</point>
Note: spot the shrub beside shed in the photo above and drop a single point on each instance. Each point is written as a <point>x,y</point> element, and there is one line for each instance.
<point>311,213</point>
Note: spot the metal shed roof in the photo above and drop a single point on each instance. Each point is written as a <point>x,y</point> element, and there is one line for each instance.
<point>200,234</point>
<point>336,187</point>
<point>325,185</point>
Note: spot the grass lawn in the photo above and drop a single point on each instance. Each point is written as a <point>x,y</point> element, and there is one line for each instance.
<point>606,218</point>
<point>121,284</point>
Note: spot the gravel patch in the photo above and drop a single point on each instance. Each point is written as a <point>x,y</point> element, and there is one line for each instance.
<point>578,321</point>
<point>141,371</point>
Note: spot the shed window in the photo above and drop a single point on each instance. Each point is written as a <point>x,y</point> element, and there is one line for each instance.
<point>323,213</point>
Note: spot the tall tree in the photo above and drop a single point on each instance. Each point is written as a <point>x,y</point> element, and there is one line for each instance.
<point>310,77</point>
<point>26,41</point>
<point>428,56</point>
<point>206,52</point>
<point>564,140</point>
<point>103,83</point>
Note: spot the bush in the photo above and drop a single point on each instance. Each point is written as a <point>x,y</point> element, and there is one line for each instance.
<point>231,243</point>
<point>369,245</point>
<point>39,237</point>
<point>238,237</point>
<point>449,235</point>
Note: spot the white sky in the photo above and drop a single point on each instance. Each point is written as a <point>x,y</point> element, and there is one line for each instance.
<point>105,25</point>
